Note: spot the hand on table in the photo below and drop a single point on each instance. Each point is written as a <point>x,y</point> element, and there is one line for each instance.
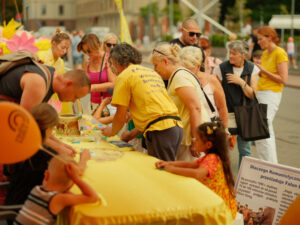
<point>107,131</point>
<point>85,155</point>
<point>161,164</point>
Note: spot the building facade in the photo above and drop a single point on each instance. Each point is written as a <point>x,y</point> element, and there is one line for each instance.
<point>60,13</point>
<point>86,14</point>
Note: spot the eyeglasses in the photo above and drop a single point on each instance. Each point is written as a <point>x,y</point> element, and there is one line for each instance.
<point>88,51</point>
<point>110,45</point>
<point>154,50</point>
<point>191,34</point>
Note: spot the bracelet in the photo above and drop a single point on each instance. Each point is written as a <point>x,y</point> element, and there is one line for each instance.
<point>245,84</point>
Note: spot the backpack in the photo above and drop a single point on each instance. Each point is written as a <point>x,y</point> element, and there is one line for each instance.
<point>14,59</point>
<point>17,58</point>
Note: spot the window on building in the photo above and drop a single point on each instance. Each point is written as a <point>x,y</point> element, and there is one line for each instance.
<point>61,10</point>
<point>43,9</point>
<point>61,23</point>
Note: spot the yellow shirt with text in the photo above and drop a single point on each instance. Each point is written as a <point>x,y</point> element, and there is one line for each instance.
<point>142,90</point>
<point>269,62</point>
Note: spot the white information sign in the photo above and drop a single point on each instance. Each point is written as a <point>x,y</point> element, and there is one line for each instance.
<point>265,190</point>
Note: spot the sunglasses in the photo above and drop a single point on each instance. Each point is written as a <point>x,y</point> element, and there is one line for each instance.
<point>154,50</point>
<point>192,34</point>
<point>110,45</point>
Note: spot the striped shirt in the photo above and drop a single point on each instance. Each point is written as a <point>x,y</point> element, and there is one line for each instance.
<point>35,210</point>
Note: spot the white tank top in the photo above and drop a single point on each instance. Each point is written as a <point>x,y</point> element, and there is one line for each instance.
<point>210,94</point>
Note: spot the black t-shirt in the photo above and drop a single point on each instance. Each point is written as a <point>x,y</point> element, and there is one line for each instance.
<point>255,41</point>
<point>25,175</point>
<point>10,82</point>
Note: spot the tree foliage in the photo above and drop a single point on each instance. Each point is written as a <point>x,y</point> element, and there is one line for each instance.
<point>10,9</point>
<point>260,9</point>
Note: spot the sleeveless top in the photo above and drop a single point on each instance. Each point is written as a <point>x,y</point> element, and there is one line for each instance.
<point>233,92</point>
<point>94,76</point>
<point>36,208</point>
<point>210,94</point>
<point>10,83</point>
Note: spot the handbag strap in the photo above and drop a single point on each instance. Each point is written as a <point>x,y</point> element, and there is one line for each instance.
<point>212,108</point>
<point>101,72</point>
<point>244,96</point>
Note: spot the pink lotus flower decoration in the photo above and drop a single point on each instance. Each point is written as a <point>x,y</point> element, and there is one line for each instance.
<point>22,42</point>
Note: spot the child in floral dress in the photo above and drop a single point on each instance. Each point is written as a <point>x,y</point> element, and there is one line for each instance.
<point>213,169</point>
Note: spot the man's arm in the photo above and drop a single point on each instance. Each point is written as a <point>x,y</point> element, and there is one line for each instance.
<point>34,90</point>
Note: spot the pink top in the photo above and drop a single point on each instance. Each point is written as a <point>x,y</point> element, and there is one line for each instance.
<point>211,63</point>
<point>94,76</point>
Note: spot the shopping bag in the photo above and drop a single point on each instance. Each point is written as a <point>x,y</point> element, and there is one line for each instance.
<point>252,122</point>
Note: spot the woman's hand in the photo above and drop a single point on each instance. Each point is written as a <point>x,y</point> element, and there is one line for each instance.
<point>194,151</point>
<point>232,78</point>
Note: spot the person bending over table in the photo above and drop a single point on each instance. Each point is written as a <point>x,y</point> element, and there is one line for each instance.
<point>142,91</point>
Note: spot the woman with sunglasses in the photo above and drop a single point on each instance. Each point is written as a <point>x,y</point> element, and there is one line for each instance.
<point>110,40</point>
<point>185,91</point>
<point>97,68</point>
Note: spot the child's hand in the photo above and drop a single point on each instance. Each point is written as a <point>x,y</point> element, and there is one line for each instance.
<point>72,170</point>
<point>161,164</point>
<point>106,101</point>
<point>85,155</point>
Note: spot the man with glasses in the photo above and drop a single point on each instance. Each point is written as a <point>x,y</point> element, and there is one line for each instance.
<point>190,32</point>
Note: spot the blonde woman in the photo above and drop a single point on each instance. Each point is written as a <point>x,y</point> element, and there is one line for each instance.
<point>109,41</point>
<point>185,91</point>
<point>60,44</point>
<point>191,58</point>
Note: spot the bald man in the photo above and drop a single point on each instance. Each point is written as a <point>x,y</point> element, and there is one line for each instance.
<point>190,32</point>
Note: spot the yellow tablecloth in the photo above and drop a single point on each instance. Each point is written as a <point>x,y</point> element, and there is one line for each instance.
<point>133,191</point>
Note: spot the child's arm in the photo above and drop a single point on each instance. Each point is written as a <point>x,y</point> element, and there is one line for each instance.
<point>84,157</point>
<point>197,173</point>
<point>97,113</point>
<point>62,200</point>
<point>162,164</point>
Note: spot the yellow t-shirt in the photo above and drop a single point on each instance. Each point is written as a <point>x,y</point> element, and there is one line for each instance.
<point>142,90</point>
<point>59,65</point>
<point>269,62</point>
<point>185,79</point>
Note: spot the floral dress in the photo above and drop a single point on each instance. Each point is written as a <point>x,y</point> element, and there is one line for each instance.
<point>216,181</point>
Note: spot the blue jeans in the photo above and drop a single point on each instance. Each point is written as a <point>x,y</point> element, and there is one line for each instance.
<point>244,148</point>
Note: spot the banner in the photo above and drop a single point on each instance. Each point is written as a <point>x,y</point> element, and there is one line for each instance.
<point>265,190</point>
<point>125,34</point>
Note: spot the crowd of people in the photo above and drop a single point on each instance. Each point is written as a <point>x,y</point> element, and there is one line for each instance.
<point>181,110</point>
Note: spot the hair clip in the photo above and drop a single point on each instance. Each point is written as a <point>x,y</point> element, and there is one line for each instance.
<point>208,130</point>
<point>214,127</point>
